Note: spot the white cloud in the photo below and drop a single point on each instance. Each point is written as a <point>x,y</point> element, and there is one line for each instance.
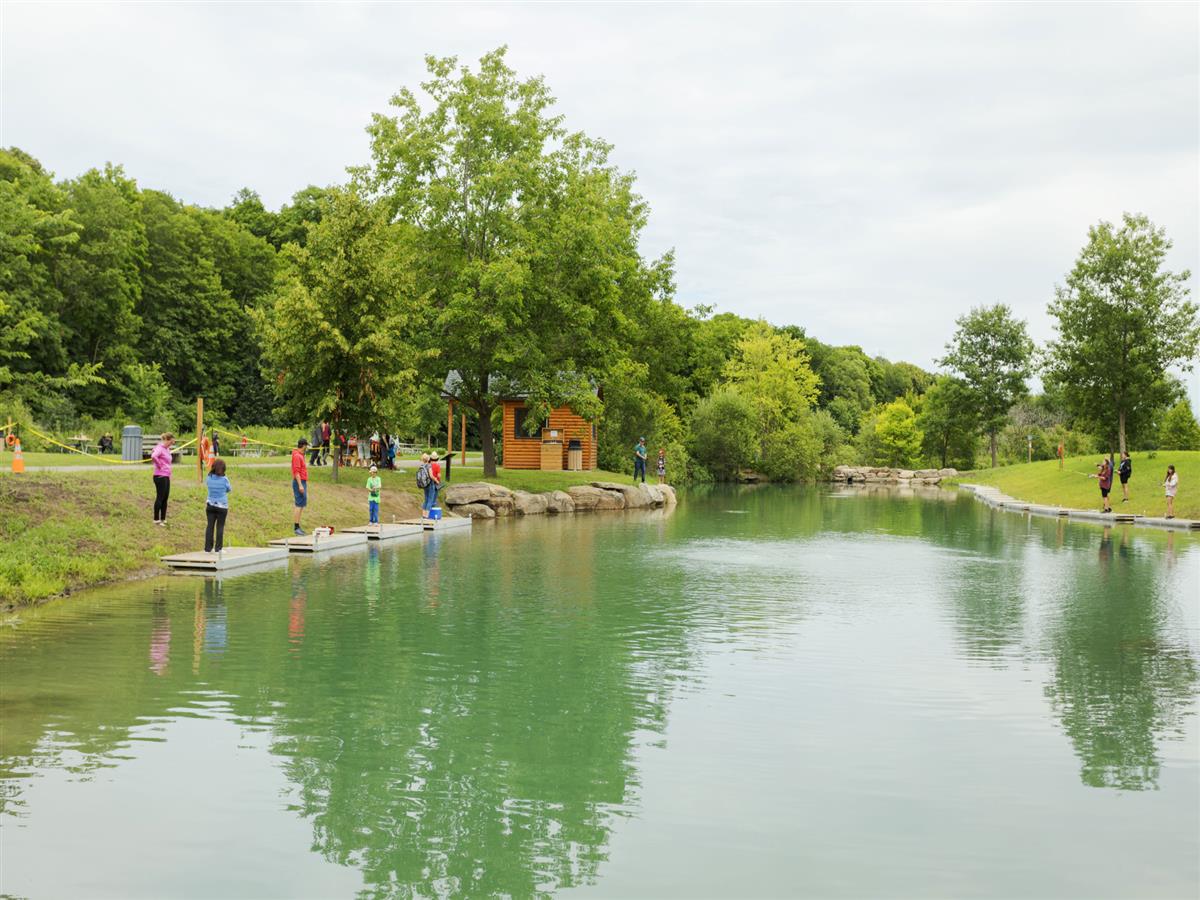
<point>866,171</point>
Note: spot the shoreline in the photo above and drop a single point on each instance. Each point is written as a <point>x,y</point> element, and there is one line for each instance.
<point>997,499</point>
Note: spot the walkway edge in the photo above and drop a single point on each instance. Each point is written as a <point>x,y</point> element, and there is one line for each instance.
<point>995,498</point>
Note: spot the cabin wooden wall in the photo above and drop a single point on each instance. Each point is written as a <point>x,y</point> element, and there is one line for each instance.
<point>526,453</point>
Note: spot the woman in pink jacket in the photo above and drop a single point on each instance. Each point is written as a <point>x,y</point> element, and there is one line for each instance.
<point>161,456</point>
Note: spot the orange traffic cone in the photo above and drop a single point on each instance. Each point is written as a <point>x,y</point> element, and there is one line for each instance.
<point>18,462</point>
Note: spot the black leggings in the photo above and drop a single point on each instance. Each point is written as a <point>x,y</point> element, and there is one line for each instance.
<point>162,490</point>
<point>216,516</point>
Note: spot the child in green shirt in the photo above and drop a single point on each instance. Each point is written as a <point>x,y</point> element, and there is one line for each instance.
<point>374,489</point>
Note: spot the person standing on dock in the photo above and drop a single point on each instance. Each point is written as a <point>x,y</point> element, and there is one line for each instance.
<point>1104,476</point>
<point>374,492</point>
<point>1171,487</point>
<point>216,508</point>
<point>161,457</point>
<point>639,460</point>
<point>299,484</point>
<point>1124,471</point>
<point>435,475</point>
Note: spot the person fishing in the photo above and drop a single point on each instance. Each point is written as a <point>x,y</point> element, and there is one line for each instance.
<point>1124,471</point>
<point>1104,477</point>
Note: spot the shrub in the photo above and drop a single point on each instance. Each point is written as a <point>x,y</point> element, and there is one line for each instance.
<point>724,433</point>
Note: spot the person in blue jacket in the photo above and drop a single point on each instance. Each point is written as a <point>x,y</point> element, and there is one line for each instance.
<point>217,506</point>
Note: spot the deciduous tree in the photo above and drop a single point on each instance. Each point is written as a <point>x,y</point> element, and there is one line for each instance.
<point>993,354</point>
<point>1123,319</point>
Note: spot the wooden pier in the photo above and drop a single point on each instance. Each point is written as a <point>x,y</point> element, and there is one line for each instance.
<point>386,531</point>
<point>230,558</point>
<point>311,543</point>
<point>444,524</point>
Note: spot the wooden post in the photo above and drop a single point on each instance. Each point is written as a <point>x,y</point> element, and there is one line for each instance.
<point>199,438</point>
<point>450,429</point>
<point>464,439</point>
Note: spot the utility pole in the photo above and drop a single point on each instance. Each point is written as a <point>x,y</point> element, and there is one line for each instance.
<point>199,438</point>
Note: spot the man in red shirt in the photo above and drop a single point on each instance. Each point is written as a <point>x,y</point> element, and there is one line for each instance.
<point>299,483</point>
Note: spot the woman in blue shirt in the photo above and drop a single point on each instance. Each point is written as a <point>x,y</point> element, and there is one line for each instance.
<point>217,507</point>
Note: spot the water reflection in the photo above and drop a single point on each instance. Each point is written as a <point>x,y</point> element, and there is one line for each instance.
<point>466,715</point>
<point>1121,682</point>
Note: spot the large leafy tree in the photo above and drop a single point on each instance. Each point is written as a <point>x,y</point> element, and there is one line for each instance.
<point>947,421</point>
<point>992,353</point>
<point>100,279</point>
<point>1123,320</point>
<point>338,336</point>
<point>1179,430</point>
<point>771,369</point>
<point>898,435</point>
<point>526,237</point>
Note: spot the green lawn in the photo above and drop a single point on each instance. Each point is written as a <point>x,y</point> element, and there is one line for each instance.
<point>536,482</point>
<point>1043,482</point>
<point>60,532</point>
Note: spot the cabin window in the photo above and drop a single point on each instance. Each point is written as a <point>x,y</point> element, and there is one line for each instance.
<point>520,418</point>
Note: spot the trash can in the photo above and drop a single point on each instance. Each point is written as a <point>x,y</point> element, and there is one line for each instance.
<point>131,443</point>
<point>575,456</point>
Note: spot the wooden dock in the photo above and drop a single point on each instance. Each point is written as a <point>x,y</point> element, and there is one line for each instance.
<point>444,524</point>
<point>230,558</point>
<point>311,543</point>
<point>386,531</point>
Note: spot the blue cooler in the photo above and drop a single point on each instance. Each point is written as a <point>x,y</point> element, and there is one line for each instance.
<point>435,513</point>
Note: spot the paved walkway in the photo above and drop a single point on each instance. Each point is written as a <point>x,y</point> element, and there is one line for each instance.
<point>995,498</point>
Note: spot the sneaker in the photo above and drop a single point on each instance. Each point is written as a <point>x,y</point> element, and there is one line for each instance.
<point>298,531</point>
<point>1124,499</point>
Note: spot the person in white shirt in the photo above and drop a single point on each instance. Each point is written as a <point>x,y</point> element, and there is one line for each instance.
<point>1170,486</point>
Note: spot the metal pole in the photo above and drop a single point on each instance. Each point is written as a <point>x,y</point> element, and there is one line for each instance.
<point>199,438</point>
<point>464,439</point>
<point>450,428</point>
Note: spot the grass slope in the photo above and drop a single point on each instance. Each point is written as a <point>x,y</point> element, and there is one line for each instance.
<point>1042,482</point>
<point>63,531</point>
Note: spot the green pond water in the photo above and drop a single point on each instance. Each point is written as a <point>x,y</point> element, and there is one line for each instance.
<point>768,692</point>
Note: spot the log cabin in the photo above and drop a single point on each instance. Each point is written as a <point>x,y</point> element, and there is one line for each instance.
<point>522,450</point>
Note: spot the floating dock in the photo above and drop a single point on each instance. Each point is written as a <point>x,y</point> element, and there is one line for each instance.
<point>440,524</point>
<point>310,543</point>
<point>386,531</point>
<point>230,558</point>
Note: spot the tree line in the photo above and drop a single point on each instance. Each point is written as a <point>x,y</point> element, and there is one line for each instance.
<point>487,240</point>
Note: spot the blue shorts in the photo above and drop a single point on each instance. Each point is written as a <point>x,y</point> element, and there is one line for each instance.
<point>300,498</point>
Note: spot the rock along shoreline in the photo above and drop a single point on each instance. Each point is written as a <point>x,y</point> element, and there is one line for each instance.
<point>883,475</point>
<point>483,500</point>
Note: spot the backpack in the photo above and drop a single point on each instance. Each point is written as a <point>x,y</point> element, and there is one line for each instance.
<point>423,477</point>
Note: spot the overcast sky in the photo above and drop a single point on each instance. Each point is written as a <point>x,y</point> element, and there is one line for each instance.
<point>869,172</point>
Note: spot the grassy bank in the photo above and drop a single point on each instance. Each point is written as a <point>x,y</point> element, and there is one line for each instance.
<point>1043,482</point>
<point>63,531</point>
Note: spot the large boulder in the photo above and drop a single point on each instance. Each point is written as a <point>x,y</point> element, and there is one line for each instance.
<point>653,494</point>
<point>459,494</point>
<point>588,498</point>
<point>475,511</point>
<point>633,495</point>
<point>502,505</point>
<point>668,495</point>
<point>527,504</point>
<point>559,502</point>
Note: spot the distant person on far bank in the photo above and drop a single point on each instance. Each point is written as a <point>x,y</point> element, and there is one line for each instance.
<point>216,447</point>
<point>1124,471</point>
<point>1104,475</point>
<point>1062,454</point>
<point>216,507</point>
<point>299,484</point>
<point>326,434</point>
<point>1171,487</point>
<point>662,465</point>
<point>161,457</point>
<point>314,456</point>
<point>639,460</point>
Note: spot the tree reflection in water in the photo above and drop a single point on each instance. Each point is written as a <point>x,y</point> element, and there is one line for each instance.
<point>1121,683</point>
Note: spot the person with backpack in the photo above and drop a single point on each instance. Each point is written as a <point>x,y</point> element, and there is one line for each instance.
<point>426,482</point>
<point>1124,470</point>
